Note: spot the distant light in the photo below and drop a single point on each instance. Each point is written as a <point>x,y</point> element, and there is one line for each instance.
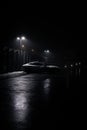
<point>23,38</point>
<point>65,66</point>
<point>22,46</point>
<point>76,64</point>
<point>71,65</point>
<point>46,51</point>
<point>79,63</point>
<point>32,50</point>
<point>18,38</point>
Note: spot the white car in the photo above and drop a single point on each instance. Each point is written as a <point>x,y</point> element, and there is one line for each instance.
<point>37,66</point>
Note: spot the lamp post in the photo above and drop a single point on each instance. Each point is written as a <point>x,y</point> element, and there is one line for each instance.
<point>46,55</point>
<point>21,46</point>
<point>20,39</point>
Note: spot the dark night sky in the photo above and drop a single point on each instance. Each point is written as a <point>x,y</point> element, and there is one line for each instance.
<point>58,30</point>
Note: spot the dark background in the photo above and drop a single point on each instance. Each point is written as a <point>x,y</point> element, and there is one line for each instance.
<point>54,26</point>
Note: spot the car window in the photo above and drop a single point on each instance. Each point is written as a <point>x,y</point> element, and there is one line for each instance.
<point>36,63</point>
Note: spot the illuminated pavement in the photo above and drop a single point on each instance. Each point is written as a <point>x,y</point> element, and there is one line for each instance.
<point>39,101</point>
<point>11,74</point>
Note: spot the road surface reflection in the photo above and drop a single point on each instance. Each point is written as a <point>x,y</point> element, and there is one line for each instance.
<point>26,91</point>
<point>35,101</point>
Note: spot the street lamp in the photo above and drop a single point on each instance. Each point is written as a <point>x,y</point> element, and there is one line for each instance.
<point>46,55</point>
<point>21,39</point>
<point>46,51</point>
<point>18,38</point>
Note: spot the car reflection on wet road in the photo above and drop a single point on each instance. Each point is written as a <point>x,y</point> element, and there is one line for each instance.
<point>37,101</point>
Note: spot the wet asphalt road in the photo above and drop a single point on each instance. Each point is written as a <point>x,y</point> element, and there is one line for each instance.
<point>40,101</point>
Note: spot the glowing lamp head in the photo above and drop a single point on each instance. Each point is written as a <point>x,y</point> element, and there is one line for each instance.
<point>48,51</point>
<point>18,38</point>
<point>23,38</point>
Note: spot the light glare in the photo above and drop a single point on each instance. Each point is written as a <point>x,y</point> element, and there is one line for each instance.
<point>22,46</point>
<point>71,65</point>
<point>18,38</point>
<point>65,66</point>
<point>46,51</point>
<point>23,38</point>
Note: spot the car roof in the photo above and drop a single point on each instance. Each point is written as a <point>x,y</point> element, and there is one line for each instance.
<point>35,62</point>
